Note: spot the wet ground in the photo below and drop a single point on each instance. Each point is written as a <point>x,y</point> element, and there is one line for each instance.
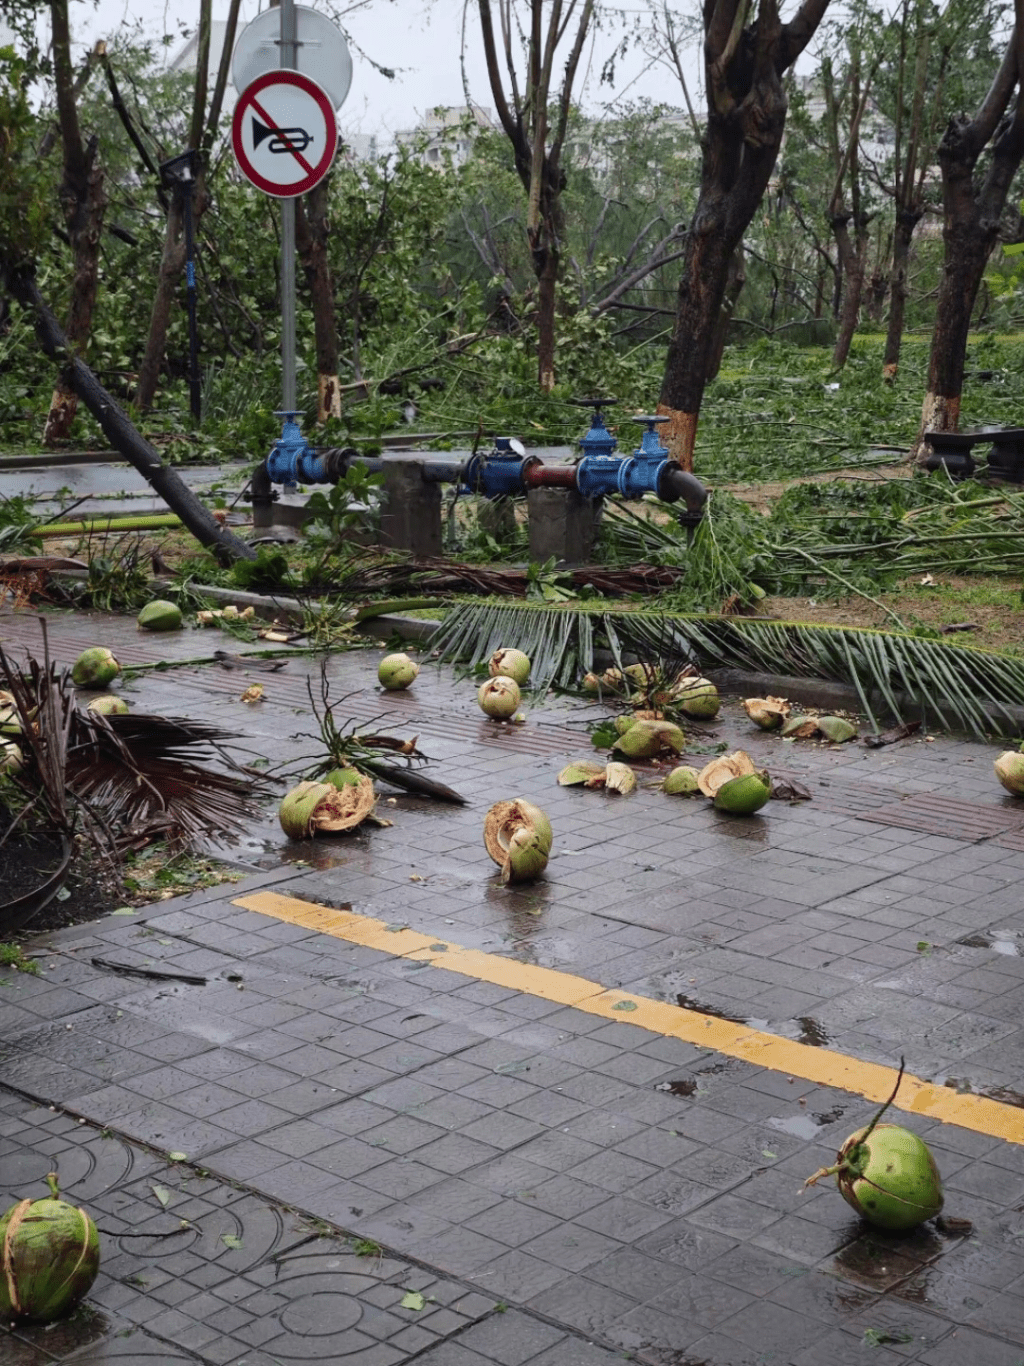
<point>579,1182</point>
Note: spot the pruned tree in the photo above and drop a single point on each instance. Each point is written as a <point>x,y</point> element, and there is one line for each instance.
<point>535,118</point>
<point>746,116</point>
<point>978,157</point>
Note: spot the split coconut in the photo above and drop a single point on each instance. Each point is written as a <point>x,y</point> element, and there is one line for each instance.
<point>517,835</point>
<point>499,697</point>
<point>396,672</point>
<point>681,782</point>
<point>767,712</point>
<point>94,668</point>
<point>343,799</point>
<point>49,1257</point>
<point>697,697</point>
<point>509,663</point>
<point>720,771</point>
<point>649,739</point>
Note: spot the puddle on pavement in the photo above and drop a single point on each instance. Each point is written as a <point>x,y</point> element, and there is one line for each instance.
<point>314,854</point>
<point>804,1029</point>
<point>1003,1094</point>
<point>805,1126</point>
<point>1004,942</point>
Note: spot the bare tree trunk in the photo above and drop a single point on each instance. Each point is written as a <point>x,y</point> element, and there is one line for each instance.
<point>82,201</point>
<point>746,120</point>
<point>736,279</point>
<point>906,221</point>
<point>547,285</point>
<point>311,234</point>
<point>852,254</point>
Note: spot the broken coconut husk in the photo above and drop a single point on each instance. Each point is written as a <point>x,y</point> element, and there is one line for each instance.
<point>767,712</point>
<point>575,774</point>
<point>837,729</point>
<point>745,795</point>
<point>49,1257</point>
<point>108,705</point>
<point>509,663</point>
<point>800,728</point>
<point>619,778</point>
<point>887,1173</point>
<point>94,668</point>
<point>681,782</point>
<point>517,835</point>
<point>396,672</point>
<point>712,776</point>
<point>591,683</point>
<point>698,697</point>
<point>1010,771</point>
<point>160,615</point>
<point>499,697</point>
<point>314,807</point>
<point>648,739</point>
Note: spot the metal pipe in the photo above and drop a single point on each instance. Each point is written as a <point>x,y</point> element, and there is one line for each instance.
<point>550,476</point>
<point>675,483</point>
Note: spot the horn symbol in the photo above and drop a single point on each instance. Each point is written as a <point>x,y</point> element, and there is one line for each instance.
<point>281,139</point>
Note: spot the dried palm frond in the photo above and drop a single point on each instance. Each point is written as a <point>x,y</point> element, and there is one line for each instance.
<point>147,778</point>
<point>890,670</point>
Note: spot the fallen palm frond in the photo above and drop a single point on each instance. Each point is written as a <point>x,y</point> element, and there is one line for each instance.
<point>147,778</point>
<point>122,780</point>
<point>892,672</point>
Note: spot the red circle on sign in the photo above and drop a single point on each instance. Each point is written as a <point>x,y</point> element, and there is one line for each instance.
<point>249,104</point>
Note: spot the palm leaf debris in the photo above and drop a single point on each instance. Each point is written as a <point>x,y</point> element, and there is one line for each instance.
<point>891,671</point>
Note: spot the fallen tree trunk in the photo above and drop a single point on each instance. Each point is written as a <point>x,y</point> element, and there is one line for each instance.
<point>118,429</point>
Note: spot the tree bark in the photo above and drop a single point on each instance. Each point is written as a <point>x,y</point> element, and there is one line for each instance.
<point>852,252</point>
<point>973,205</point>
<point>906,221</point>
<point>130,443</point>
<point>82,201</point>
<point>311,233</point>
<point>746,120</point>
<point>172,263</point>
<point>735,280</point>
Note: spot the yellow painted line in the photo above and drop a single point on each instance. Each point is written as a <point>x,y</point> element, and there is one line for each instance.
<point>821,1065</point>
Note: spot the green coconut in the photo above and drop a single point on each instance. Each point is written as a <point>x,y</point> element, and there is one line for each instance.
<point>681,782</point>
<point>160,616</point>
<point>509,663</point>
<point>94,668</point>
<point>591,683</point>
<point>396,672</point>
<point>499,697</point>
<point>1010,771</point>
<point>743,796</point>
<point>648,739</point>
<point>889,1177</point>
<point>49,1257</point>
<point>518,837</point>
<point>624,723</point>
<point>699,698</point>
<point>108,705</point>
<point>800,727</point>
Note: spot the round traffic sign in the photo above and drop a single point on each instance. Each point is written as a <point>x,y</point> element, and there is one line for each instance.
<point>284,133</point>
<point>321,51</point>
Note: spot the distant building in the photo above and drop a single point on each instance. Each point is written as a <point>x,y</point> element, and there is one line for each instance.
<point>446,134</point>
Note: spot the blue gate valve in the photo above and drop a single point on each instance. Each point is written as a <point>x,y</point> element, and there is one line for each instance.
<point>292,460</point>
<point>499,474</point>
<point>641,472</point>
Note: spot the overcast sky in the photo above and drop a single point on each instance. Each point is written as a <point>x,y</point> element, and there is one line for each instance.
<point>420,39</point>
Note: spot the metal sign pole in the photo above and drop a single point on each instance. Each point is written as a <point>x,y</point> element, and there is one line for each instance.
<point>289,50</point>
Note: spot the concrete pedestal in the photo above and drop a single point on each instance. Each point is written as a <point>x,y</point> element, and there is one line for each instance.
<point>562,523</point>
<point>412,510</point>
